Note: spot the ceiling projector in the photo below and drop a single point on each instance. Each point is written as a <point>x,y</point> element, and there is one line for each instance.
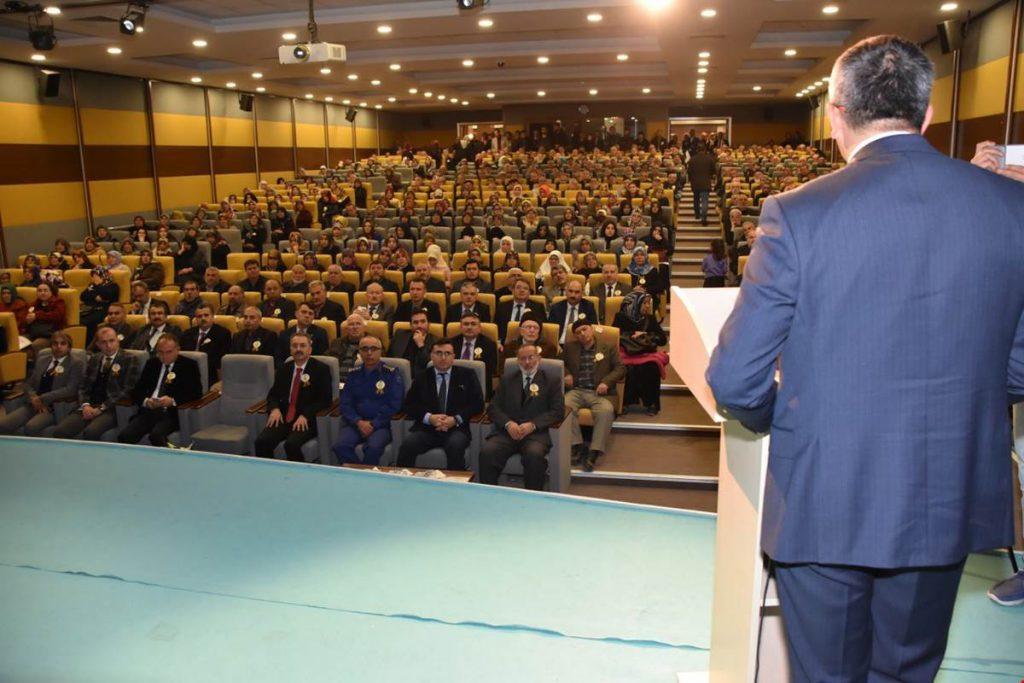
<point>311,52</point>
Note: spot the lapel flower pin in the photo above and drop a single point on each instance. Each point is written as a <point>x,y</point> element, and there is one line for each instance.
<point>256,345</point>
<point>477,352</point>
<point>380,386</point>
<point>59,370</point>
<point>169,378</point>
<point>115,369</point>
<point>534,389</point>
<point>599,357</point>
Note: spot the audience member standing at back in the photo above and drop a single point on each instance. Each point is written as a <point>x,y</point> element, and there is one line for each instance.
<point>702,170</point>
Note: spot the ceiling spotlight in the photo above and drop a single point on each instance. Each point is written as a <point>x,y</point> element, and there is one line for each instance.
<point>703,55</point>
<point>346,101</point>
<point>413,91</point>
<point>485,23</point>
<point>325,70</point>
<point>708,13</point>
<point>542,60</point>
<point>646,91</point>
<point>392,99</point>
<point>113,50</point>
<point>378,106</point>
<point>52,10</point>
<point>703,62</point>
<point>133,18</point>
<point>622,57</point>
<point>41,36</point>
<point>490,96</point>
<point>231,84</point>
<point>289,36</point>
<point>790,52</point>
<point>395,67</point>
<point>799,94</point>
<point>383,29</point>
<point>818,84</point>
<point>702,70</point>
<point>375,82</point>
<point>38,57</point>
<point>257,75</point>
<point>362,104</point>
<point>830,9</point>
<point>700,81</point>
<point>656,5</point>
<point>196,79</point>
<point>353,77</point>
<point>541,93</point>
<point>309,96</point>
<point>757,88</point>
<point>261,89</point>
<point>328,99</point>
<point>468,63</point>
<point>199,42</point>
<point>593,91</point>
<point>442,98</point>
<point>594,17</point>
<point>465,103</point>
<point>700,96</point>
<point>944,7</point>
<point>428,94</point>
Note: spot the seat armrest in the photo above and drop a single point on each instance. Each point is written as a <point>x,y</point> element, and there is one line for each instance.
<point>260,407</point>
<point>201,402</point>
<point>400,415</point>
<point>330,410</point>
<point>14,395</point>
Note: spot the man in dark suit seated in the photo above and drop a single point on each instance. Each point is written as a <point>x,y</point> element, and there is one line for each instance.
<point>609,287</point>
<point>209,338</point>
<point>472,270</point>
<point>518,307</point>
<point>346,346</point>
<point>440,404</point>
<point>189,300</point>
<point>212,281</point>
<point>145,339</point>
<point>253,338</point>
<point>303,325</point>
<point>530,330</point>
<point>414,344</point>
<point>336,282</point>
<point>422,271</point>
<point>275,305</point>
<point>49,383</point>
<point>592,369</point>
<point>168,380</point>
<point>471,344</point>
<point>109,376</point>
<point>375,273</point>
<point>253,281</point>
<point>417,301</point>
<point>235,302</point>
<point>468,303</point>
<point>302,388</point>
<point>527,403</point>
<point>376,308</point>
<point>574,307</point>
<point>117,318</point>
<point>324,308</point>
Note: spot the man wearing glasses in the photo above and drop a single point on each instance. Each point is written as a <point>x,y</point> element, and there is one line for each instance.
<point>440,403</point>
<point>372,393</point>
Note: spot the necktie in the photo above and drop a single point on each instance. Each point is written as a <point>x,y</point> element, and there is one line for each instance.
<point>442,393</point>
<point>610,290</point>
<point>199,341</point>
<point>160,390</point>
<point>467,350</point>
<point>107,362</point>
<point>572,314</point>
<point>293,399</point>
<point>46,383</point>
<point>526,387</point>
<point>518,313</point>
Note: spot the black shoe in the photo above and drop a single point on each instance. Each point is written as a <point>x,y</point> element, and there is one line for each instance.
<point>704,222</point>
<point>588,464</point>
<point>653,410</point>
<point>578,452</point>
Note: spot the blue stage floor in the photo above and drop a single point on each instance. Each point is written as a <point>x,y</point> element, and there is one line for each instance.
<point>138,564</point>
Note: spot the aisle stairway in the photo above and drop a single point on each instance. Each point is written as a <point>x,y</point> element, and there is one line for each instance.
<point>670,459</point>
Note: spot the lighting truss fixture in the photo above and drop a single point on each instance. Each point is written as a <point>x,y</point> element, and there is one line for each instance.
<point>41,35</point>
<point>134,17</point>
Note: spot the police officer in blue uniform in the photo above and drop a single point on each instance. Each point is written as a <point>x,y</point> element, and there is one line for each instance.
<point>373,392</point>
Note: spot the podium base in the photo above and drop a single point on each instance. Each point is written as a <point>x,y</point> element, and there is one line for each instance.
<point>693,677</point>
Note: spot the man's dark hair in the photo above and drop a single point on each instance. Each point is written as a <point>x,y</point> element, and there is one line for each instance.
<point>251,262</point>
<point>470,314</point>
<point>160,303</point>
<point>445,341</point>
<point>884,80</point>
<point>419,311</point>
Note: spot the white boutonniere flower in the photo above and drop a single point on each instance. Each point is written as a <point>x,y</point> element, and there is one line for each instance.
<point>256,345</point>
<point>115,369</point>
<point>477,352</point>
<point>206,341</point>
<point>169,378</point>
<point>380,386</point>
<point>120,337</point>
<point>581,316</point>
<point>534,390</point>
<point>304,378</point>
<point>59,370</point>
<point>277,311</point>
<point>599,357</point>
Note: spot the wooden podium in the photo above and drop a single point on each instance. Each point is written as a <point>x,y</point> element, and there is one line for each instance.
<point>745,638</point>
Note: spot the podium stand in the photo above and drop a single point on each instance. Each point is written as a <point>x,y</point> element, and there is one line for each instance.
<point>741,576</point>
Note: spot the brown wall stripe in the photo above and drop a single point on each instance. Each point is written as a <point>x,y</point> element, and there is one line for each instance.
<point>233,160</point>
<point>311,157</point>
<point>181,161</point>
<point>117,162</point>
<point>276,158</point>
<point>39,164</point>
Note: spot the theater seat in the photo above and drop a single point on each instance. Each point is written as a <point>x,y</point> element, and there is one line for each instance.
<point>224,421</point>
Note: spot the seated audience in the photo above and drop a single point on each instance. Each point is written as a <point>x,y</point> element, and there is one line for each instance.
<point>49,383</point>
<point>346,346</point>
<point>235,302</point>
<point>253,338</point>
<point>468,303</point>
<point>518,307</point>
<point>372,394</point>
<point>11,302</point>
<point>574,307</point>
<point>145,339</point>
<point>95,298</point>
<point>324,308</point>
<point>530,329</point>
<point>253,281</point>
<point>209,338</point>
<point>376,307</point>
<point>641,335</point>
<point>274,304</point>
<point>46,315</point>
<point>417,301</point>
<point>592,369</point>
<point>415,343</point>
<point>212,281</point>
<point>189,301</point>
<point>472,344</point>
<point>303,325</point>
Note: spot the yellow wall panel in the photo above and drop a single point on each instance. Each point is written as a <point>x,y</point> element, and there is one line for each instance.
<point>341,136</point>
<point>110,197</point>
<point>32,124</point>
<point>114,127</point>
<point>41,203</point>
<point>983,89</point>
<point>228,183</point>
<point>184,191</point>
<point>1018,93</point>
<point>274,133</point>
<point>179,129</point>
<point>942,99</point>
<point>231,132</point>
<point>366,137</point>
<point>309,135</point>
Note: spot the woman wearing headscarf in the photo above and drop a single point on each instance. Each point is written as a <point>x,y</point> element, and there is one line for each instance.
<point>554,258</point>
<point>643,272</point>
<point>10,302</point>
<point>95,298</point>
<point>188,262</point>
<point>149,271</point>
<point>115,262</point>
<point>46,315</point>
<point>438,263</point>
<point>641,335</point>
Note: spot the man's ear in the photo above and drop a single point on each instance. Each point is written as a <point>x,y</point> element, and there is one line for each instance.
<point>928,113</point>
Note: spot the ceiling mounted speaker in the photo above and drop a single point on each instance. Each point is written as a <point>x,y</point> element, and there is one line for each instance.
<point>49,83</point>
<point>950,35</point>
<point>350,114</point>
<point>245,101</point>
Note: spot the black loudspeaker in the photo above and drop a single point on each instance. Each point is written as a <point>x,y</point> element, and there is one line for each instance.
<point>950,35</point>
<point>350,114</point>
<point>245,101</point>
<point>49,83</point>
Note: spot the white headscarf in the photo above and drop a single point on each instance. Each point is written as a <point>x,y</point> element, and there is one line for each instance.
<point>545,268</point>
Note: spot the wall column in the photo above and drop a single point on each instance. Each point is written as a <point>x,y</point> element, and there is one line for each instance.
<point>209,144</point>
<point>327,139</point>
<point>147,93</point>
<point>81,150</point>
<point>295,139</point>
<point>1011,75</point>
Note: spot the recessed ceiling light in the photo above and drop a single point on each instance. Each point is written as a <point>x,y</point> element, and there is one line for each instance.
<point>428,94</point>
<point>542,60</point>
<point>700,81</point>
<point>325,70</point>
<point>392,99</point>
<point>708,13</point>
<point>38,57</point>
<point>384,29</point>
<point>257,75</point>
<point>199,42</point>
<point>703,55</point>
<point>375,81</point>
<point>261,89</point>
<point>468,63</point>
<point>490,96</point>
<point>594,17</point>
<point>700,96</point>
<point>830,9</point>
<point>346,101</point>
<point>541,93</point>
<point>593,91</point>
<point>289,36</point>
<point>646,91</point>
<point>413,91</point>
<point>799,94</point>
<point>703,62</point>
<point>818,84</point>
<point>309,96</point>
<point>465,103</point>
<point>395,67</point>
<point>790,52</point>
<point>362,104</point>
<point>230,84</point>
<point>702,70</point>
<point>757,88</point>
<point>113,50</point>
<point>378,106</point>
<point>328,99</point>
<point>353,77</point>
<point>140,29</point>
<point>944,7</point>
<point>52,10</point>
<point>622,57</point>
<point>442,98</point>
<point>485,23</point>
<point>196,79</point>
<point>825,79</point>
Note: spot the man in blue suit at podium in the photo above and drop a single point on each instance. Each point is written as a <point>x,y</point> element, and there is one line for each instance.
<point>891,292</point>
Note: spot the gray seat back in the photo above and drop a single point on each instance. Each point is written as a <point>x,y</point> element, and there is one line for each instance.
<point>204,366</point>
<point>332,364</point>
<point>246,379</point>
<point>548,365</point>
